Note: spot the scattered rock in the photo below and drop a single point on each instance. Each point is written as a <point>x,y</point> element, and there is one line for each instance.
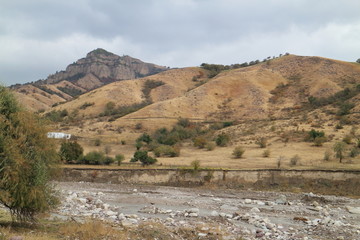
<point>354,210</point>
<point>282,200</point>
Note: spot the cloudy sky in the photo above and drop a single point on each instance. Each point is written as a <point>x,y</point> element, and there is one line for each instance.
<point>39,37</point>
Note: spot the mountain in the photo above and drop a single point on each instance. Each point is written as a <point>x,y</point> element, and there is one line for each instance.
<point>276,89</point>
<point>97,69</point>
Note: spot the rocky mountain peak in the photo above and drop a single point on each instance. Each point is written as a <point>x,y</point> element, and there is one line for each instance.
<point>99,52</point>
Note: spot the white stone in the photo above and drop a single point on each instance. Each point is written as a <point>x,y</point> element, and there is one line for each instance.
<point>248,201</point>
<point>193,210</point>
<point>82,200</point>
<point>202,234</point>
<point>193,214</point>
<point>255,210</point>
<point>110,213</point>
<point>214,213</point>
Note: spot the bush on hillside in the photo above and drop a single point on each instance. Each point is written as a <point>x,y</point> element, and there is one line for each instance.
<point>168,151</point>
<point>238,152</point>
<point>222,140</point>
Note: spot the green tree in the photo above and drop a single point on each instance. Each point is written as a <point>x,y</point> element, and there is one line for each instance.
<point>143,157</point>
<point>70,152</point>
<point>27,161</point>
<point>339,149</point>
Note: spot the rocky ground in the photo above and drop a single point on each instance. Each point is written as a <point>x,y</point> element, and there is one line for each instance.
<point>214,214</point>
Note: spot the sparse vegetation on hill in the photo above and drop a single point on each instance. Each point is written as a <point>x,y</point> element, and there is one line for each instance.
<point>339,99</point>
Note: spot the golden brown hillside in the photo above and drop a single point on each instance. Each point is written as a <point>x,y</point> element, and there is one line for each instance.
<point>279,100</point>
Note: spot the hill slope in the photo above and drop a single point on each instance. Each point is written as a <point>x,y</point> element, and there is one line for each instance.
<point>276,89</point>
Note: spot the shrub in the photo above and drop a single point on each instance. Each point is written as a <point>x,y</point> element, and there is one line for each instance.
<point>313,134</point>
<point>327,155</point>
<point>210,146</point>
<point>344,108</point>
<point>93,158</point>
<point>222,140</point>
<point>238,152</point>
<point>70,152</point>
<point>86,105</point>
<point>227,124</point>
<point>165,150</point>
<point>184,122</point>
<point>143,157</point>
<point>266,153</point>
<point>295,160</point>
<point>107,149</point>
<point>319,141</point>
<point>108,160</point>
<point>354,152</point>
<point>123,142</point>
<point>262,142</point>
<point>119,158</point>
<point>144,138</point>
<point>195,165</point>
<point>339,126</point>
<point>97,142</point>
<point>347,139</point>
<point>199,142</point>
<point>27,161</point>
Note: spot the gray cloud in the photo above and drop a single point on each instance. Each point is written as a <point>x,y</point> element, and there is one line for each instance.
<point>40,37</point>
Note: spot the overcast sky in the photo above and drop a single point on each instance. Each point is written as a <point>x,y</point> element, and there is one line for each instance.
<point>39,37</point>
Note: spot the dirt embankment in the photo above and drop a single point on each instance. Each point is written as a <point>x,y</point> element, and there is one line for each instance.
<point>339,182</point>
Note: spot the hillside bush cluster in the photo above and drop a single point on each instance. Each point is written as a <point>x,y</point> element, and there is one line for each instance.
<point>215,69</point>
<point>222,140</point>
<point>317,137</point>
<point>71,91</point>
<point>339,99</point>
<point>71,152</point>
<point>57,115</point>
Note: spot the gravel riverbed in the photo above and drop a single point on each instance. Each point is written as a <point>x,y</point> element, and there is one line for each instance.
<point>214,213</point>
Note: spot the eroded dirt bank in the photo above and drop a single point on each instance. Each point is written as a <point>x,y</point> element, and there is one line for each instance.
<point>336,182</point>
<point>214,214</point>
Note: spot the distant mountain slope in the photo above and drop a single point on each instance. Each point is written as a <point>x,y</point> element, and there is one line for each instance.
<point>272,89</point>
<point>98,68</point>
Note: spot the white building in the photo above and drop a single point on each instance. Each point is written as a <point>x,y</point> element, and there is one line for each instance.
<point>58,135</point>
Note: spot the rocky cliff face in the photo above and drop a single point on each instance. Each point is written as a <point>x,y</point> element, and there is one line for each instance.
<point>101,67</point>
<point>98,68</point>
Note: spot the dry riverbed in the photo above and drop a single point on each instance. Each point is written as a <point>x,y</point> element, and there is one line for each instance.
<point>213,214</point>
